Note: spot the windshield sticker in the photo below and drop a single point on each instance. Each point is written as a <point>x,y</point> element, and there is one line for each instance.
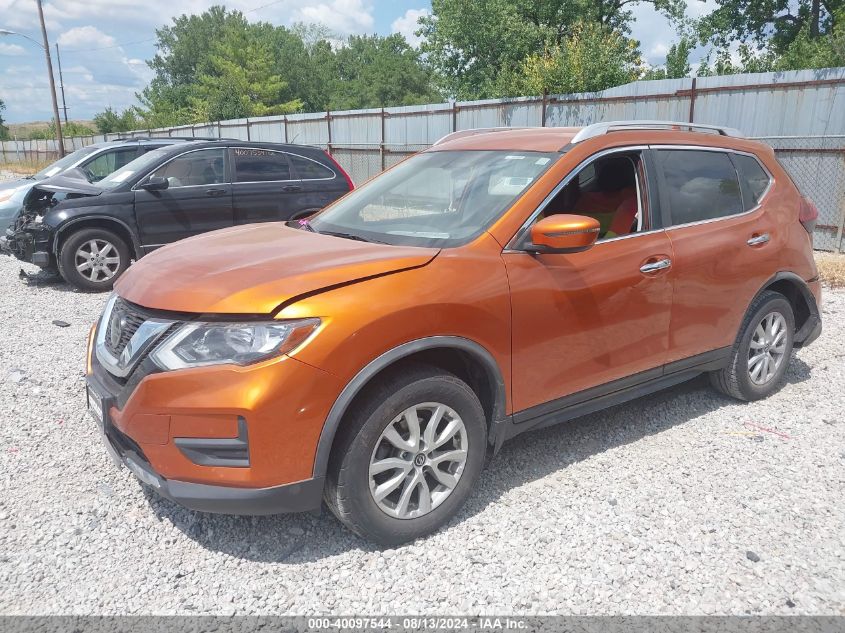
<point>121,176</point>
<point>245,151</point>
<point>513,157</point>
<point>542,161</point>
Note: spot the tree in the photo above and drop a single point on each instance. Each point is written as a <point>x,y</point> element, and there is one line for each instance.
<point>238,80</point>
<point>677,62</point>
<point>588,60</point>
<point>774,24</point>
<point>109,121</point>
<point>69,129</point>
<point>374,71</point>
<point>4,131</point>
<point>472,43</point>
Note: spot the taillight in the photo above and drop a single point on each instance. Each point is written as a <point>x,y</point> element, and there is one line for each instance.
<point>808,213</point>
<point>342,171</point>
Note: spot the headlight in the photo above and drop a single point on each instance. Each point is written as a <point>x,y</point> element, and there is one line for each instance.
<point>200,344</point>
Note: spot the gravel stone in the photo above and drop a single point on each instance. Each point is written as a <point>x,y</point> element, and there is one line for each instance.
<point>540,535</point>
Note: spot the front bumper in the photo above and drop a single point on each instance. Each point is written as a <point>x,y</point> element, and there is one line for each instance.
<point>31,246</point>
<point>300,496</point>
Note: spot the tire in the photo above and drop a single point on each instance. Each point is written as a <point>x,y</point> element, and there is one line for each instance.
<point>348,484</point>
<point>738,379</point>
<point>115,261</point>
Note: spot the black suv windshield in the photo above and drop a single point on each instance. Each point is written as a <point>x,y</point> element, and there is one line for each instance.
<point>133,169</point>
<point>443,198</point>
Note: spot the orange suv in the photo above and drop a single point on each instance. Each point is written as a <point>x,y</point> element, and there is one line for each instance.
<point>501,281</point>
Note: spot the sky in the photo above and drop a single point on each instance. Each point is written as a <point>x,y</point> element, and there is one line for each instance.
<point>104,43</point>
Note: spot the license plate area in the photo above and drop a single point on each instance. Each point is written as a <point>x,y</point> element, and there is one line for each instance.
<point>98,407</point>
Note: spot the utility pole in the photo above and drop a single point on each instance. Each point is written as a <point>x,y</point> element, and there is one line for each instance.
<point>61,81</point>
<point>59,141</point>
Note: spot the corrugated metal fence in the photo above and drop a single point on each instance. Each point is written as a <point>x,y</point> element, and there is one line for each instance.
<point>800,113</point>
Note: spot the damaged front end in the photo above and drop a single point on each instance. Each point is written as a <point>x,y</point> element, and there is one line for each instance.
<point>30,238</point>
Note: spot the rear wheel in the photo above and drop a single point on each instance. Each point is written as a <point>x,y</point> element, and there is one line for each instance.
<point>761,354</point>
<point>93,259</point>
<point>408,457</point>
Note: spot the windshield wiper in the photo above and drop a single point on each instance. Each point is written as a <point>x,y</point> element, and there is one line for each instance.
<point>352,236</point>
<point>303,224</point>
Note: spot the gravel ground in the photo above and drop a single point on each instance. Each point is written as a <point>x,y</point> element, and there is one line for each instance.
<point>684,502</point>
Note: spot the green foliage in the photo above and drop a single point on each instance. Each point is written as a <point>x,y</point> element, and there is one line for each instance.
<point>588,60</point>
<point>477,46</point>
<point>217,66</point>
<point>109,121</point>
<point>771,24</point>
<point>373,71</point>
<point>71,128</point>
<point>677,62</point>
<point>4,131</point>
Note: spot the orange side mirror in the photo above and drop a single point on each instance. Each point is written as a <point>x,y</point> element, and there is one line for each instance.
<point>564,233</point>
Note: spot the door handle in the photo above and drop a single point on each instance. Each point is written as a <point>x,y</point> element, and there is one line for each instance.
<point>215,192</point>
<point>291,188</point>
<point>757,240</point>
<point>653,267</point>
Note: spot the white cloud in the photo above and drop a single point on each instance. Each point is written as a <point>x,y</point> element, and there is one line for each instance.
<point>11,49</point>
<point>345,17</point>
<point>85,37</point>
<point>408,24</point>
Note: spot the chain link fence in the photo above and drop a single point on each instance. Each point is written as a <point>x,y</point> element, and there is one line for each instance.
<point>817,166</point>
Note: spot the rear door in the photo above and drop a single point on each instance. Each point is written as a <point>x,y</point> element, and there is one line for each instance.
<point>724,244</point>
<point>198,198</point>
<point>264,187</point>
<point>321,184</point>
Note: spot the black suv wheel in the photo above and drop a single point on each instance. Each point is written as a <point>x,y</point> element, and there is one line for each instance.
<point>93,259</point>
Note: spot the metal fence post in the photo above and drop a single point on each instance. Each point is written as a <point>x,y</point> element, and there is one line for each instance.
<point>329,128</point>
<point>285,126</point>
<point>249,139</point>
<point>692,101</point>
<point>381,144</point>
<point>838,245</point>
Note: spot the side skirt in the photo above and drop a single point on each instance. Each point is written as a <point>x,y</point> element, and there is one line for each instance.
<point>613,393</point>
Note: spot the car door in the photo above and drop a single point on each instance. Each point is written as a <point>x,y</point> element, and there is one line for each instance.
<point>198,198</point>
<point>264,188</point>
<point>725,247</point>
<point>584,320</point>
<point>320,184</point>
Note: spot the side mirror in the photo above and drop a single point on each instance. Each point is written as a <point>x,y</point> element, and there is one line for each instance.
<point>564,233</point>
<point>155,183</point>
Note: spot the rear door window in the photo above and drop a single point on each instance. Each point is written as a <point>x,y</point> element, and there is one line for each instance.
<point>308,169</point>
<point>700,185</point>
<point>260,165</point>
<point>755,180</point>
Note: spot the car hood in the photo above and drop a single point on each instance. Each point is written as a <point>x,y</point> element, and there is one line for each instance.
<point>253,269</point>
<point>5,185</point>
<point>71,181</point>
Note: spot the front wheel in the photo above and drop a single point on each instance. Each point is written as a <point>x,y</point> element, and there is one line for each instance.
<point>92,259</point>
<point>761,354</point>
<point>408,456</point>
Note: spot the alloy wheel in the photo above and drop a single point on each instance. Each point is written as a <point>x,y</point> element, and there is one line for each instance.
<point>418,460</point>
<point>97,260</point>
<point>767,349</point>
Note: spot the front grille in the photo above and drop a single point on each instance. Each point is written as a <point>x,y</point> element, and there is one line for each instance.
<point>128,320</point>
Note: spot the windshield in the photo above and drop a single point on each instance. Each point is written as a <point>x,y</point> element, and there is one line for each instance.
<point>132,169</point>
<point>63,163</point>
<point>444,198</point>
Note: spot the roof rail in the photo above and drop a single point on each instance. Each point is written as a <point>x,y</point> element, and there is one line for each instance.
<point>473,131</point>
<point>598,129</point>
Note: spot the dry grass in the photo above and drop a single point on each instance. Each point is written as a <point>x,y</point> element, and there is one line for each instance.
<point>831,269</point>
<point>26,168</point>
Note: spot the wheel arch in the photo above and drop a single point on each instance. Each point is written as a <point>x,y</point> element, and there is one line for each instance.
<point>105,222</point>
<point>800,297</point>
<point>464,357</point>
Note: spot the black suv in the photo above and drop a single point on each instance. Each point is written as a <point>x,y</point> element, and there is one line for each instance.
<point>90,232</point>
